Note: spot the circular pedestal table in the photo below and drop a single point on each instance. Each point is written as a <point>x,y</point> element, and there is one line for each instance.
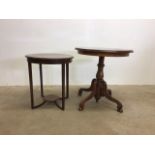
<point>98,86</point>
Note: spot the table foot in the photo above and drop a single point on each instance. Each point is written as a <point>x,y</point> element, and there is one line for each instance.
<point>120,109</point>
<point>81,108</point>
<point>82,104</point>
<point>119,104</point>
<point>60,107</point>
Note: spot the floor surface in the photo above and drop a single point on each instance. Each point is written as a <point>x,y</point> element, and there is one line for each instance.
<point>100,118</point>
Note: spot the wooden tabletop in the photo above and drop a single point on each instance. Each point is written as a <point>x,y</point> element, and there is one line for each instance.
<point>49,56</point>
<point>104,52</point>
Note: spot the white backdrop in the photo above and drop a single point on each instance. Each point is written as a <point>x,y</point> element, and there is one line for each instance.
<point>21,37</point>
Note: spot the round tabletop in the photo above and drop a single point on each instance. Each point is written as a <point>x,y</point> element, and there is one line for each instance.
<point>103,52</point>
<point>49,58</point>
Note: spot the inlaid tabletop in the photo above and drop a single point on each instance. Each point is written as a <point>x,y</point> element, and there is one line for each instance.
<point>109,52</point>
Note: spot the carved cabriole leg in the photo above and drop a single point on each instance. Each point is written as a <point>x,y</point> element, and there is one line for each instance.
<point>119,104</point>
<point>86,89</point>
<point>107,93</point>
<point>91,95</point>
<point>82,104</point>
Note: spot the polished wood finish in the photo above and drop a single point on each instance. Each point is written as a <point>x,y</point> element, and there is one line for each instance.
<point>104,52</point>
<point>49,58</point>
<point>98,86</point>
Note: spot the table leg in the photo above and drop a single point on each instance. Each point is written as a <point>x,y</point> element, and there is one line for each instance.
<point>90,96</point>
<point>41,80</point>
<point>82,104</point>
<point>63,86</point>
<point>67,80</point>
<point>31,87</point>
<point>31,84</point>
